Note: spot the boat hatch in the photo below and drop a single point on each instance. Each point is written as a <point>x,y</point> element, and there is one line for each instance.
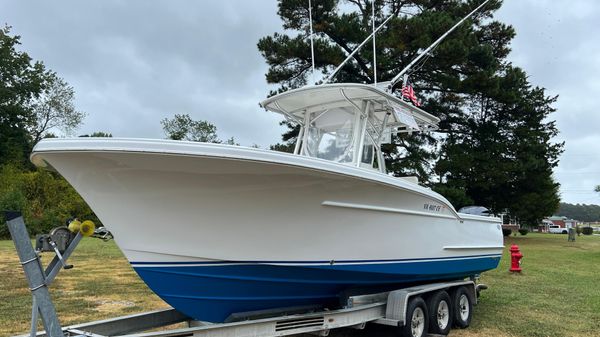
<point>347,123</point>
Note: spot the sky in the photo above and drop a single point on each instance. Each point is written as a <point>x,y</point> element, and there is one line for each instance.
<point>134,63</point>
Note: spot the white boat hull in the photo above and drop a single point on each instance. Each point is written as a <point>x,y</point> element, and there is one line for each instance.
<point>177,205</point>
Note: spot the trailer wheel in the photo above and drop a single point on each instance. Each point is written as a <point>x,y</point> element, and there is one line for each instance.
<point>462,303</point>
<point>416,324</point>
<point>440,313</point>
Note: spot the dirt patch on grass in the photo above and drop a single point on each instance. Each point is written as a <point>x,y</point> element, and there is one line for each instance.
<point>111,306</point>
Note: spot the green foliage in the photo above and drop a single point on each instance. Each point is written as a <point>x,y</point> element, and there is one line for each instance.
<point>587,230</point>
<point>183,127</point>
<point>289,138</point>
<point>580,212</point>
<point>231,141</point>
<point>20,82</point>
<point>98,134</point>
<point>12,196</point>
<point>33,101</point>
<point>494,145</point>
<point>499,151</point>
<point>523,231</point>
<point>54,108</point>
<point>45,199</point>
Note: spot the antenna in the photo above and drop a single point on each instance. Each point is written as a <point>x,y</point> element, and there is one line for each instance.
<point>312,48</point>
<point>374,48</point>
<point>433,45</point>
<point>356,50</point>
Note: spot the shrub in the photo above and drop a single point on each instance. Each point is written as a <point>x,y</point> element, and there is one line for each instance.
<point>587,230</point>
<point>45,199</point>
<point>523,231</point>
<point>506,231</point>
<point>11,200</point>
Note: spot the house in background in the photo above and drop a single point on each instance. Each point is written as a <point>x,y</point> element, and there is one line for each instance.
<point>561,221</point>
<point>543,227</point>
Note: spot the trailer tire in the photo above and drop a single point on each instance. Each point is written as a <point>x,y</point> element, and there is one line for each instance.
<point>417,319</point>
<point>440,313</point>
<point>462,304</point>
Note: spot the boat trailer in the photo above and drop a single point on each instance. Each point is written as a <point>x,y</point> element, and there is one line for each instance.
<point>386,308</point>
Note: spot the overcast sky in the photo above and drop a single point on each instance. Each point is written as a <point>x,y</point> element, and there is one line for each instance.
<point>133,63</point>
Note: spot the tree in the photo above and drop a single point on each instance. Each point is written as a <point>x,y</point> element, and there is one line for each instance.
<point>231,141</point>
<point>580,212</point>
<point>45,198</point>
<point>183,127</point>
<point>55,109</point>
<point>289,138</point>
<point>98,134</point>
<point>21,80</point>
<point>494,144</point>
<point>461,60</point>
<point>502,157</point>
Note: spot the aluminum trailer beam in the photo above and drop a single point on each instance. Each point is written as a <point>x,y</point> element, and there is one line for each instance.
<point>388,308</point>
<point>319,322</point>
<point>34,273</point>
<point>125,324</point>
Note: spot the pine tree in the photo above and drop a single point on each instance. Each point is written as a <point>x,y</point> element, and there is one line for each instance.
<point>494,144</point>
<point>415,25</point>
<point>501,154</point>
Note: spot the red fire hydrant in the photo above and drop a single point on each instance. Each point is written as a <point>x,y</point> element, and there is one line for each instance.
<point>515,259</point>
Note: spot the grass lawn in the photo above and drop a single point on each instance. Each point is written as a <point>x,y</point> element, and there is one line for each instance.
<point>101,285</point>
<point>558,293</point>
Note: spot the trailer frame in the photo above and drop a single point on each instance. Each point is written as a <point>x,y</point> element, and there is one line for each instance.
<point>386,308</point>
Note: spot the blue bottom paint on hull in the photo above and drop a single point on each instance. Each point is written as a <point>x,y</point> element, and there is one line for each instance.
<point>213,292</point>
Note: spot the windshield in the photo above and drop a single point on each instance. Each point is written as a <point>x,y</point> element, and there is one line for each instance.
<point>330,135</point>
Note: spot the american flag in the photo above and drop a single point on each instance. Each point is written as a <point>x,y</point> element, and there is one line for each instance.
<point>409,92</point>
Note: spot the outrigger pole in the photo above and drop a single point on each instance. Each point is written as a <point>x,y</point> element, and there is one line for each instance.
<point>413,62</point>
<point>312,47</point>
<point>374,46</point>
<point>327,79</point>
<point>433,45</point>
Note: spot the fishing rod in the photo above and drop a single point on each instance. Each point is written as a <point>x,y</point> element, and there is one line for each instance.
<point>396,79</point>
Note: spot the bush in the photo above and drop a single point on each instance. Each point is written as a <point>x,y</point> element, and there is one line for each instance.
<point>523,231</point>
<point>11,200</point>
<point>506,231</point>
<point>587,230</point>
<point>45,199</point>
